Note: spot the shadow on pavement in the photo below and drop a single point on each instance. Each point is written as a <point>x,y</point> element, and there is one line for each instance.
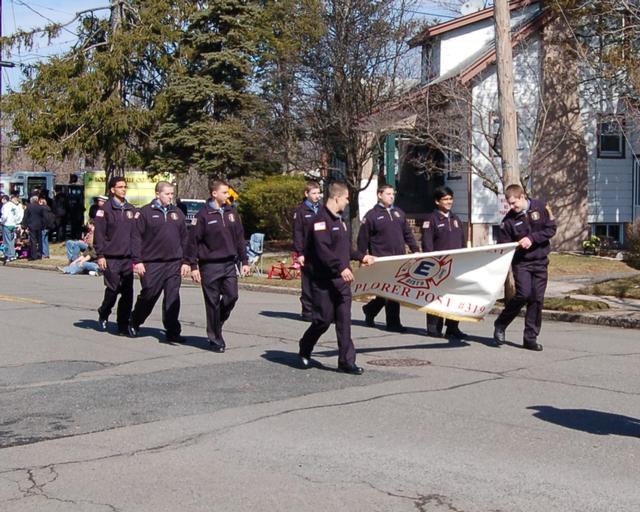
<point>192,341</point>
<point>586,420</point>
<point>283,314</point>
<point>292,360</point>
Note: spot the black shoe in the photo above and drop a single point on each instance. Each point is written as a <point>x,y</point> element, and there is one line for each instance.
<point>102,324</point>
<point>175,338</point>
<point>369,320</point>
<point>305,361</point>
<point>216,347</point>
<point>123,332</point>
<point>396,328</point>
<point>455,333</point>
<point>351,369</point>
<point>133,330</point>
<point>533,345</point>
<point>433,333</point>
<point>498,335</point>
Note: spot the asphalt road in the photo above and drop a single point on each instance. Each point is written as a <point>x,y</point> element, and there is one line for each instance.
<point>92,421</point>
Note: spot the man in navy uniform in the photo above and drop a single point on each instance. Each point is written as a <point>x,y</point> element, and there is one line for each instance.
<point>330,251</point>
<point>442,230</point>
<point>216,243</point>
<point>530,223</point>
<point>303,218</point>
<point>385,232</point>
<point>159,249</point>
<point>114,222</point>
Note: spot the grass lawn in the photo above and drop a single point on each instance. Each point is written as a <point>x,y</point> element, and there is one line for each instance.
<point>628,287</point>
<point>574,305</point>
<point>563,264</point>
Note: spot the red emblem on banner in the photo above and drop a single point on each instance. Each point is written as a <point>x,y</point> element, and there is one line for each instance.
<point>425,272</point>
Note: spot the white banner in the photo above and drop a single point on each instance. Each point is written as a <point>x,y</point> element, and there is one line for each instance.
<point>461,284</point>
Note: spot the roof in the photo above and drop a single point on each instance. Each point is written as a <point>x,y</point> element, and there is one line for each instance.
<point>464,21</point>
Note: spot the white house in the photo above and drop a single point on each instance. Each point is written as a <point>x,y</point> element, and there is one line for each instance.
<point>572,150</point>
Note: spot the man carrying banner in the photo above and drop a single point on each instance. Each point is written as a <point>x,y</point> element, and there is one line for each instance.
<point>385,232</point>
<point>303,218</point>
<point>330,252</point>
<point>530,223</point>
<point>442,231</point>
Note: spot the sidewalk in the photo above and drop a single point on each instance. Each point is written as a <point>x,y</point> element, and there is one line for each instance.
<point>624,313</point>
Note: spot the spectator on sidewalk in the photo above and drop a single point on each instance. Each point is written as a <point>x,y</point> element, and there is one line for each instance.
<point>83,264</point>
<point>34,223</point>
<point>75,247</point>
<point>10,218</point>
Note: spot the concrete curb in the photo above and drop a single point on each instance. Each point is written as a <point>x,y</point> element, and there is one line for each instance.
<point>612,318</point>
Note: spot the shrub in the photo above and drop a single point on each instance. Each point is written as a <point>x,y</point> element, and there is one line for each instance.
<point>267,205</point>
<point>632,256</point>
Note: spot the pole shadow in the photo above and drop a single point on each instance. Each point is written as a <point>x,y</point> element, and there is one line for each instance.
<point>590,421</point>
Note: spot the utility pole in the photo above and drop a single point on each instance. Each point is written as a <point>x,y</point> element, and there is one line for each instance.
<point>507,107</point>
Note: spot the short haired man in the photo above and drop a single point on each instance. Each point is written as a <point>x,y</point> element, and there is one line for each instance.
<point>330,251</point>
<point>530,223</point>
<point>113,228</point>
<point>442,230</point>
<point>385,232</point>
<point>216,243</point>
<point>303,218</point>
<point>159,253</point>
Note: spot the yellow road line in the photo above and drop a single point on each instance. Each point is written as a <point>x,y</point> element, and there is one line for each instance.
<point>23,300</point>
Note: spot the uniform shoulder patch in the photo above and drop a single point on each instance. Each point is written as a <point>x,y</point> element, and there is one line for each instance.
<point>535,215</point>
<point>426,224</point>
<point>194,221</point>
<point>549,213</point>
<point>137,215</point>
<point>295,215</point>
<point>100,213</point>
<point>319,226</point>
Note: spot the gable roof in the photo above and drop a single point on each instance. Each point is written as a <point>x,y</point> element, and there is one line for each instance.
<point>463,21</point>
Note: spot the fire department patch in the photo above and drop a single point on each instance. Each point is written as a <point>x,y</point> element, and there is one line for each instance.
<point>194,221</point>
<point>129,214</point>
<point>100,213</point>
<point>535,215</point>
<point>426,224</point>
<point>232,218</point>
<point>425,272</point>
<point>549,213</point>
<point>295,215</point>
<point>455,223</point>
<point>173,215</point>
<point>396,214</point>
<point>137,215</point>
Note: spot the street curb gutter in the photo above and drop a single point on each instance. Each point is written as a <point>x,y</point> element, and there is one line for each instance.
<point>623,322</point>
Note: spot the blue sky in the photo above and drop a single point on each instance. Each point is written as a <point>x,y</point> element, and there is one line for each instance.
<point>28,14</point>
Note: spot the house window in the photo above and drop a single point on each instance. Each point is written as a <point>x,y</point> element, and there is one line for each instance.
<point>611,141</point>
<point>610,234</point>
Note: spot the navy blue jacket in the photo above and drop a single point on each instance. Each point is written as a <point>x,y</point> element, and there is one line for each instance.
<point>303,218</point>
<point>331,249</point>
<point>114,225</point>
<point>385,232</point>
<point>216,236</point>
<point>159,236</point>
<point>537,223</point>
<point>442,233</point>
